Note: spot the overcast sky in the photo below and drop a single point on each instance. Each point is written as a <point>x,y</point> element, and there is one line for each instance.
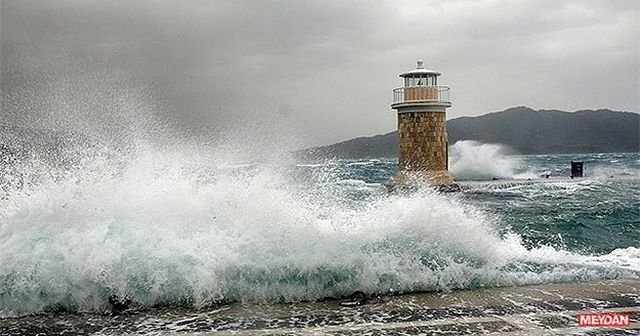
<point>325,67</point>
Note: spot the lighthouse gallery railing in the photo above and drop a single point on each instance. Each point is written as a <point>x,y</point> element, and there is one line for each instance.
<point>427,94</point>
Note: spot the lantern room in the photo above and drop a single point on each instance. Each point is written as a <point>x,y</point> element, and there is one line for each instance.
<point>420,76</point>
<point>420,87</point>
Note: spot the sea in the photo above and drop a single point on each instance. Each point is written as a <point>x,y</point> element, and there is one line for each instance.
<point>180,235</point>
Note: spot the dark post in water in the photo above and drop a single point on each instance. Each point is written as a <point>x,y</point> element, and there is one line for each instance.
<point>576,168</point>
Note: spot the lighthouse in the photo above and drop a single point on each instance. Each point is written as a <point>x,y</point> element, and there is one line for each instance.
<point>421,105</point>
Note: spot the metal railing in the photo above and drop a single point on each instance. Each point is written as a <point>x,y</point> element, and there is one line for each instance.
<point>426,94</point>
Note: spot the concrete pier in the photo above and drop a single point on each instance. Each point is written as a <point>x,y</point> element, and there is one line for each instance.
<point>549,309</point>
<point>545,309</point>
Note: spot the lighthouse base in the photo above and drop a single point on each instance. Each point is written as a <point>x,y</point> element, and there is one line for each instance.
<point>413,180</point>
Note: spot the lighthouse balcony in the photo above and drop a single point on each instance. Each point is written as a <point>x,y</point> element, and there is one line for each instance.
<point>421,95</point>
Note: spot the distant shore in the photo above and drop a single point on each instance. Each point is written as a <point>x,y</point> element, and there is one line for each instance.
<point>521,129</point>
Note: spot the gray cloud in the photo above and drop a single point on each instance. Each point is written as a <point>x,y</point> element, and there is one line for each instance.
<point>325,68</point>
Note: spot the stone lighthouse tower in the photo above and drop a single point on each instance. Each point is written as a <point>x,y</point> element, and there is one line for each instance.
<point>422,130</point>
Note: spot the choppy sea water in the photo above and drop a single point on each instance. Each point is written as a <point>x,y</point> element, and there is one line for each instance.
<point>174,231</point>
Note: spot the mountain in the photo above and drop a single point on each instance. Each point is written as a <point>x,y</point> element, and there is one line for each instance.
<point>523,129</point>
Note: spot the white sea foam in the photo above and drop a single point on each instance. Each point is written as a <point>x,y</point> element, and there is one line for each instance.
<point>472,160</point>
<point>163,230</point>
<point>361,163</point>
<point>312,165</point>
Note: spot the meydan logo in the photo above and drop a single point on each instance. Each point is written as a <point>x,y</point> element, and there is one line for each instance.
<point>604,320</point>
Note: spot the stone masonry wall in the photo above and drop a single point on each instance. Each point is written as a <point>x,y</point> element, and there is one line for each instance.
<point>423,144</point>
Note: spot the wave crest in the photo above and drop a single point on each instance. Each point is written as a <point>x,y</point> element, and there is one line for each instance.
<point>472,160</point>
<point>163,229</point>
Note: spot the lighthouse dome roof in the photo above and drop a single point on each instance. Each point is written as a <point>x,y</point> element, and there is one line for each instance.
<point>419,70</point>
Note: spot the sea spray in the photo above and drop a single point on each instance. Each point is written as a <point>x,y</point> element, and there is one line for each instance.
<point>167,227</point>
<point>472,160</point>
